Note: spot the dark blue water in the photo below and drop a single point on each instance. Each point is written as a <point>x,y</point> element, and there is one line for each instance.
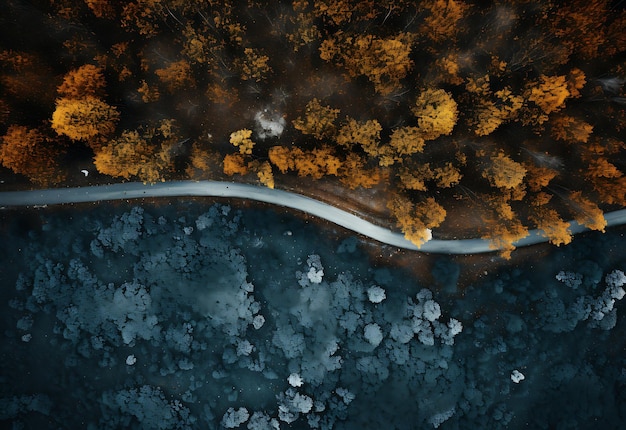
<point>191,315</point>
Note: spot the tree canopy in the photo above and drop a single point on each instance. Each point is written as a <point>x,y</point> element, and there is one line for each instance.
<point>518,112</point>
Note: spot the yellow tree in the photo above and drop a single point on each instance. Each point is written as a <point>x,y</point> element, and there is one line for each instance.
<point>339,12</point>
<point>200,46</point>
<point>282,158</point>
<point>318,120</point>
<point>101,8</point>
<point>364,133</point>
<point>436,113</point>
<point>326,158</point>
<point>415,177</point>
<point>265,175</point>
<point>148,93</point>
<point>549,93</point>
<point>579,24</point>
<point>315,163</point>
<point>486,117</point>
<point>605,146</point>
<point>28,152</point>
<point>143,16</point>
<point>611,191</point>
<point>442,22</point>
<point>177,76</point>
<point>504,234</point>
<point>87,80</point>
<point>305,164</point>
<point>608,180</point>
<point>406,141</point>
<point>502,172</point>
<point>576,80</point>
<point>254,66</point>
<point>84,118</point>
<point>551,225</point>
<point>354,173</point>
<point>446,71</point>
<point>602,168</point>
<point>305,30</point>
<point>570,129</point>
<point>235,164</point>
<point>447,176</point>
<point>132,155</point>
<point>503,226</point>
<point>201,162</point>
<point>383,61</point>
<point>586,212</point>
<point>538,177</point>
<point>480,85</point>
<point>416,220</point>
<point>489,114</point>
<point>219,92</point>
<point>241,139</point>
<point>330,49</point>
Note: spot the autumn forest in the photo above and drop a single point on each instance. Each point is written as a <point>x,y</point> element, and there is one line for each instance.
<point>513,110</point>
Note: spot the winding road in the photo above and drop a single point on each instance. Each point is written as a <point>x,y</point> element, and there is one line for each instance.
<point>135,190</point>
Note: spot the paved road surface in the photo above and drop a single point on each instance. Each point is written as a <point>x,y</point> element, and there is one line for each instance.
<point>133,190</point>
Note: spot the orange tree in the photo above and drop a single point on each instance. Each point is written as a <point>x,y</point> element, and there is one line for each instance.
<point>84,118</point>
<point>30,153</point>
<point>148,155</point>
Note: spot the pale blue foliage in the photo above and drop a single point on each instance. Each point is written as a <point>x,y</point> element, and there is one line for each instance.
<point>144,407</point>
<point>181,318</point>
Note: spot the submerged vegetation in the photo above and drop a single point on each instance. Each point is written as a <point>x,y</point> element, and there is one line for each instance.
<point>513,110</point>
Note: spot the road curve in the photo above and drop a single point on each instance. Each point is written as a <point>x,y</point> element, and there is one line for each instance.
<point>134,190</point>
